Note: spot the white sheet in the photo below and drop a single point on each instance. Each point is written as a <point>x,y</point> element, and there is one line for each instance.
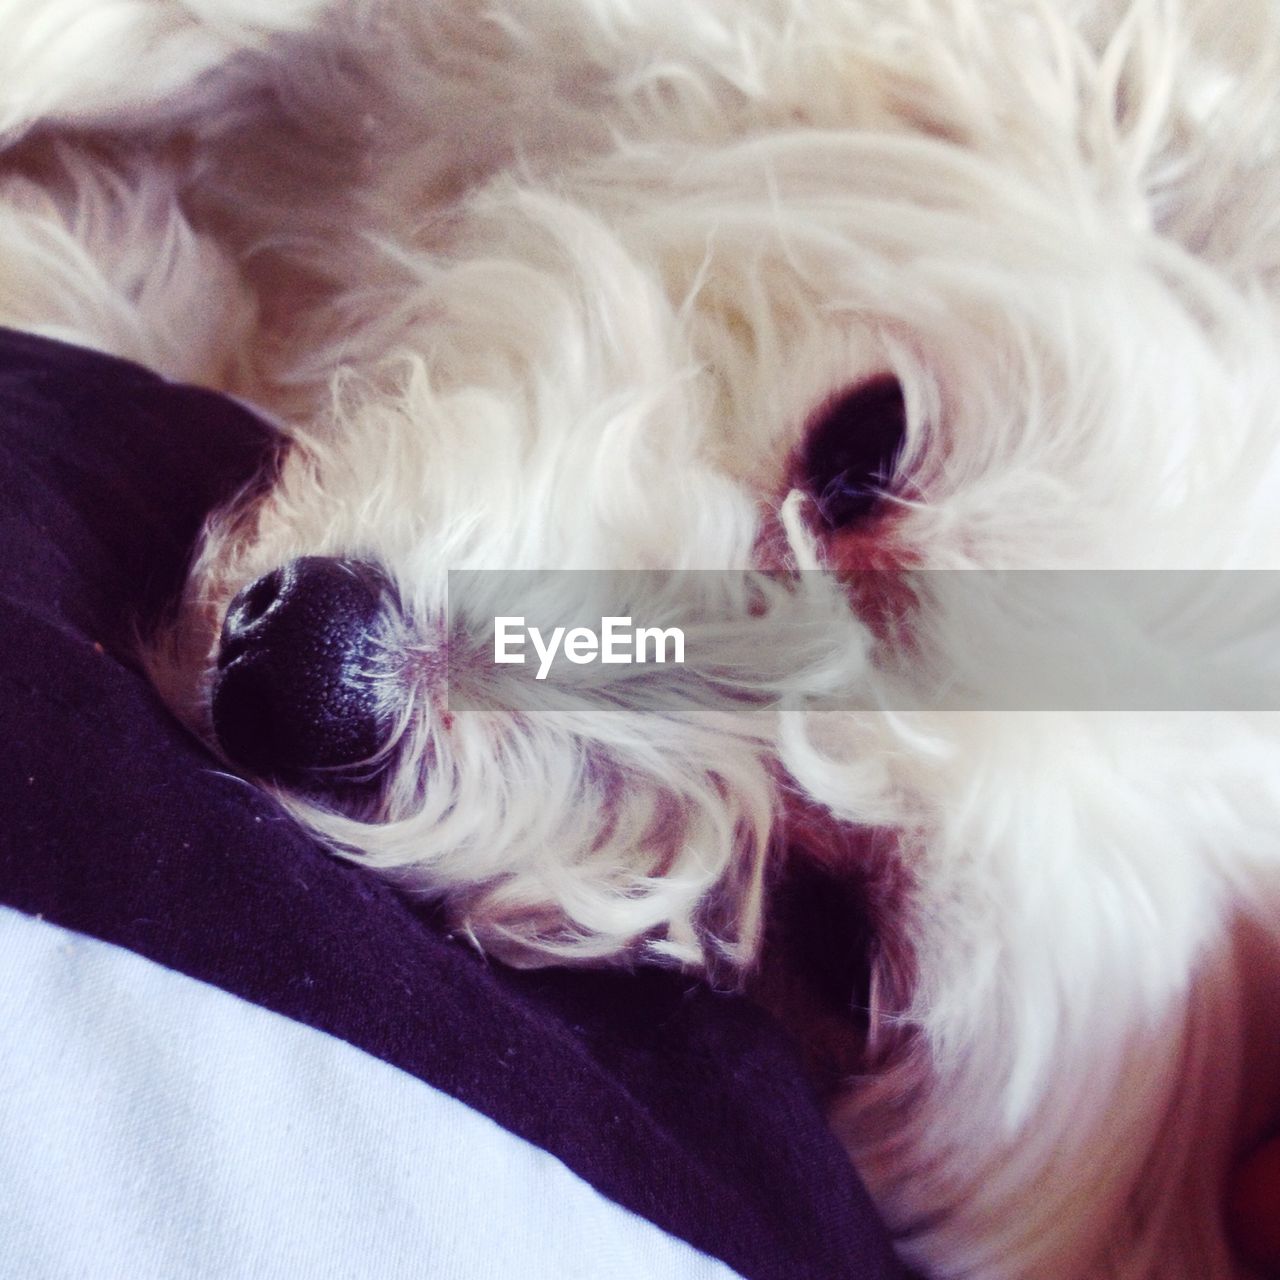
<point>154,1126</point>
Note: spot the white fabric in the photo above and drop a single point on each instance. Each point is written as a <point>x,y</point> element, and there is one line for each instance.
<point>154,1126</point>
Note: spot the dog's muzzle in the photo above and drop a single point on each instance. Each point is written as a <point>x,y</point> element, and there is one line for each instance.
<point>307,682</point>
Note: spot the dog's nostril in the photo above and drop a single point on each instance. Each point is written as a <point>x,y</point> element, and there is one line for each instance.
<point>852,451</point>
<point>309,677</point>
<point>246,612</point>
<point>259,596</point>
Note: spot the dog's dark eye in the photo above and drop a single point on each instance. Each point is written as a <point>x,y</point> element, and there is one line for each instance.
<point>852,449</point>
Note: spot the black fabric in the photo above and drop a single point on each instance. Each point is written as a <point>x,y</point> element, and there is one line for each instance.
<point>682,1104</point>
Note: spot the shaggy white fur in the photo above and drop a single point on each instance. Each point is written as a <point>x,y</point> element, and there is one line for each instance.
<point>561,284</point>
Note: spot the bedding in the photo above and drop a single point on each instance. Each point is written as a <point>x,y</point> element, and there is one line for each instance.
<point>226,1053</point>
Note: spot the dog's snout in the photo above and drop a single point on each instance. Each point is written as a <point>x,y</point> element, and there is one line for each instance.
<point>307,674</point>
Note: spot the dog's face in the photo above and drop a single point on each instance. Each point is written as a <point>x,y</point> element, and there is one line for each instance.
<point>947,367</point>
<point>859,340</point>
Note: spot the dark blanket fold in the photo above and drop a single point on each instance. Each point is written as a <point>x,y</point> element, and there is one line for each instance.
<point>684,1105</point>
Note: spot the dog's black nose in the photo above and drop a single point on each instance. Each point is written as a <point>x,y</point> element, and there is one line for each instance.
<point>306,672</point>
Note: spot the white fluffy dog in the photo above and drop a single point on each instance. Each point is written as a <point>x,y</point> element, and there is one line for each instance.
<point>694,284</point>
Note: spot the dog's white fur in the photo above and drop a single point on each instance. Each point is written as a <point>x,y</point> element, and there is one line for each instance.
<point>558,283</point>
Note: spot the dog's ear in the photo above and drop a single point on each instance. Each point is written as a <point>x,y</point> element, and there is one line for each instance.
<point>110,63</point>
<point>1180,118</point>
<point>1163,111</point>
